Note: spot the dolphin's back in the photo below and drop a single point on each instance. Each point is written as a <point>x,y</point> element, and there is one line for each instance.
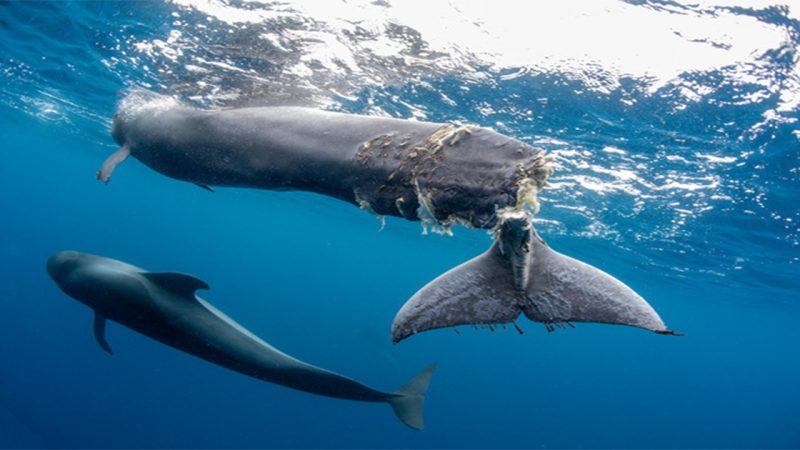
<point>198,328</point>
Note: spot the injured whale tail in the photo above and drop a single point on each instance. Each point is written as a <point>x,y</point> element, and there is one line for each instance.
<point>520,274</point>
<point>408,403</point>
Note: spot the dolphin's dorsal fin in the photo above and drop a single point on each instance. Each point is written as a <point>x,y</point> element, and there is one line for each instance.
<point>180,284</point>
<point>100,332</point>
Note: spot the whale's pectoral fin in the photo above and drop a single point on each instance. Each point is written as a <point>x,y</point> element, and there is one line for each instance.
<point>204,186</point>
<point>116,158</point>
<point>100,332</point>
<point>480,291</point>
<point>179,284</point>
<point>409,402</point>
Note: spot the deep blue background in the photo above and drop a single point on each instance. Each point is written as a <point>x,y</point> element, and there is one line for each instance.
<point>320,280</point>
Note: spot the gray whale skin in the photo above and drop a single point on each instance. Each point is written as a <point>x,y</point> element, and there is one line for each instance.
<point>436,173</point>
<point>164,307</point>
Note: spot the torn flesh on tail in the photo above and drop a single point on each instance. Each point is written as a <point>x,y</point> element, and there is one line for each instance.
<point>521,274</point>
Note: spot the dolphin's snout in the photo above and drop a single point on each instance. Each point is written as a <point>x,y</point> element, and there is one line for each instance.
<point>59,262</point>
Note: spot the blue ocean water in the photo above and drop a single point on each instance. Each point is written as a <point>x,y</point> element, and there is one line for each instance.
<point>675,131</point>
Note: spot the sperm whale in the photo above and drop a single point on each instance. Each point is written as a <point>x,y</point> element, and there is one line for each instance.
<point>164,307</point>
<point>439,174</point>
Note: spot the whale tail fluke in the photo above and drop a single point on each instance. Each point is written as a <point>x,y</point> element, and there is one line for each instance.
<point>409,402</point>
<point>520,274</point>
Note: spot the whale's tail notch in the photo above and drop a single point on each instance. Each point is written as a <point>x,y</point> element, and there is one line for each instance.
<point>520,273</point>
<point>408,403</point>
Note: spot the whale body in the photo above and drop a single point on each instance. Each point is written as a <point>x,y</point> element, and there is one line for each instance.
<point>440,174</point>
<point>164,307</point>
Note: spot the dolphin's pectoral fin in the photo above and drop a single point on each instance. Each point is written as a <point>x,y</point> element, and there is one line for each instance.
<point>116,158</point>
<point>480,291</point>
<point>204,186</point>
<point>100,332</point>
<point>180,284</point>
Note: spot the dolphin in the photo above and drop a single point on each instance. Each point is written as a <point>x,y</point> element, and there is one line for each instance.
<point>164,307</point>
<point>439,174</point>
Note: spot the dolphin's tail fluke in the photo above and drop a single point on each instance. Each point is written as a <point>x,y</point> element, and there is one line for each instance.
<point>409,402</point>
<point>522,274</point>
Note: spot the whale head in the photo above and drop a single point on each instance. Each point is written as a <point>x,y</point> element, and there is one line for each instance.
<point>137,116</point>
<point>138,104</point>
<point>119,129</point>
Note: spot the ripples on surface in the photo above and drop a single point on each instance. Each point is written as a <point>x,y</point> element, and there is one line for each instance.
<point>674,125</point>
